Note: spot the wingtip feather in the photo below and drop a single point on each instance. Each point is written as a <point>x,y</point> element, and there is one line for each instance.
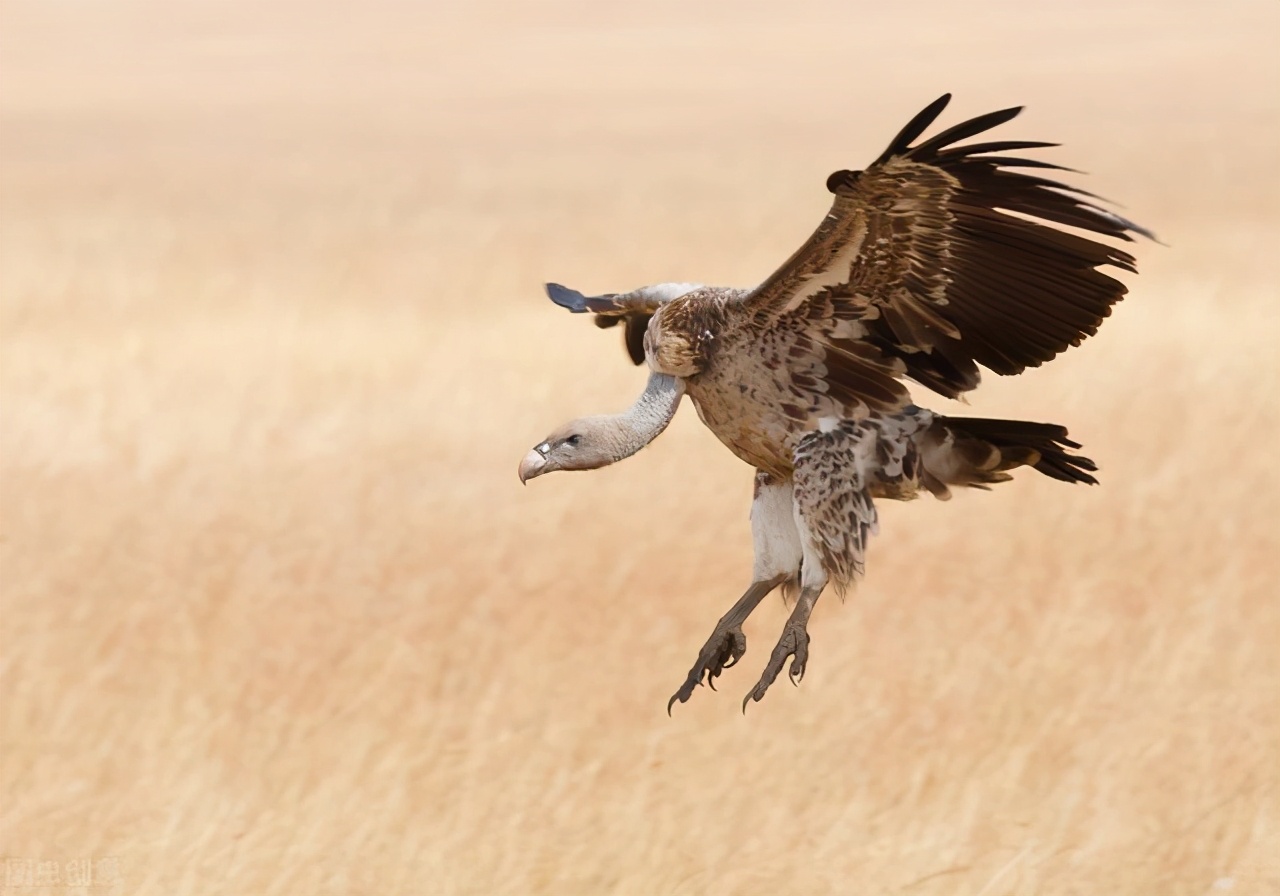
<point>566,297</point>
<point>914,128</point>
<point>966,129</point>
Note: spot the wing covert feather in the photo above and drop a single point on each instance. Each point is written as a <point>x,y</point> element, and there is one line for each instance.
<point>632,309</point>
<point>950,259</point>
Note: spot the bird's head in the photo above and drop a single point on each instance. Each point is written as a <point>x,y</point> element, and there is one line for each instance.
<point>589,443</point>
<point>580,445</point>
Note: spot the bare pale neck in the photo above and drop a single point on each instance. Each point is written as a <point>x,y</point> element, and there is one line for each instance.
<point>644,421</point>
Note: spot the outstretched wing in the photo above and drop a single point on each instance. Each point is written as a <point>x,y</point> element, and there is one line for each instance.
<point>941,257</point>
<point>631,309</point>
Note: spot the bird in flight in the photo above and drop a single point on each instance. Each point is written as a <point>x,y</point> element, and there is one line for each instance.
<point>939,258</point>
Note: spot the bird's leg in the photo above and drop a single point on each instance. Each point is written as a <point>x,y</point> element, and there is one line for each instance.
<point>777,558</point>
<point>793,643</point>
<point>834,515</point>
<point>727,643</point>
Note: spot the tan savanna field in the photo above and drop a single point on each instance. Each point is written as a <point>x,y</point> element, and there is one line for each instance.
<point>278,617</point>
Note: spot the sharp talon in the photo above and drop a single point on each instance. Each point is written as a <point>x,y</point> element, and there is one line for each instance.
<point>800,659</point>
<point>794,645</point>
<point>722,650</point>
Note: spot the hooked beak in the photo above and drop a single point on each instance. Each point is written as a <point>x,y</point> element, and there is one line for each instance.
<point>533,465</point>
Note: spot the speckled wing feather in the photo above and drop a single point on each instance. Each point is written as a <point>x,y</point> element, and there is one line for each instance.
<point>942,257</point>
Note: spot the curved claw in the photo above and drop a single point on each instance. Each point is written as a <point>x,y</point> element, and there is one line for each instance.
<point>685,691</point>
<point>796,672</point>
<point>794,676</point>
<point>793,644</point>
<point>722,650</point>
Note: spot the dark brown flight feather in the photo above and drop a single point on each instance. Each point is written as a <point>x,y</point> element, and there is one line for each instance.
<point>956,251</point>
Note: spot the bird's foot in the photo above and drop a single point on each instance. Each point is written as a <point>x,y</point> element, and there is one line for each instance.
<point>793,643</point>
<point>724,648</point>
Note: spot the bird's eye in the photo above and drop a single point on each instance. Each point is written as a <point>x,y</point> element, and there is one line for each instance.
<point>573,440</point>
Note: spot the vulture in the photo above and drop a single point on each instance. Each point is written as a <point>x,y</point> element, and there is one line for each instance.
<point>941,257</point>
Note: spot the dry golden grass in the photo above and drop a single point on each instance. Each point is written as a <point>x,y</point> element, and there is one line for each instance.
<point>279,619</point>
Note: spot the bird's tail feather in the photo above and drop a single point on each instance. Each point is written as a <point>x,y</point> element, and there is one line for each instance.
<point>978,452</point>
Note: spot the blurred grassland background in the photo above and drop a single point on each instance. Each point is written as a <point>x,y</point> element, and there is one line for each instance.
<point>278,617</point>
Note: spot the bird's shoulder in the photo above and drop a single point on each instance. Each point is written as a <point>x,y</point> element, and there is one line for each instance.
<point>685,333</point>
